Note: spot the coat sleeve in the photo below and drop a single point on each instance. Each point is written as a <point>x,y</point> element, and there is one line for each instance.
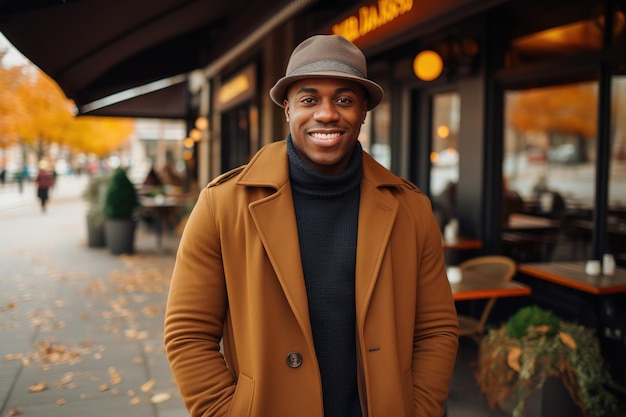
<point>195,313</point>
<point>435,340</point>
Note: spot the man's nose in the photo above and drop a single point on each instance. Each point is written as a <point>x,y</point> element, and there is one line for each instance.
<point>326,112</point>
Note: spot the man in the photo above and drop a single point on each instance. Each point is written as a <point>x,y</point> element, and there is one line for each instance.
<point>321,271</point>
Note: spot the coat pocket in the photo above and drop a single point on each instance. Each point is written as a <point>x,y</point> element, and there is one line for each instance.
<point>242,400</point>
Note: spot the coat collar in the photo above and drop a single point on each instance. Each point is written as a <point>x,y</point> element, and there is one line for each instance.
<point>269,168</point>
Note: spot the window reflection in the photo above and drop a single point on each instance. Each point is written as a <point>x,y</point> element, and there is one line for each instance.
<point>444,157</point>
<point>549,171</point>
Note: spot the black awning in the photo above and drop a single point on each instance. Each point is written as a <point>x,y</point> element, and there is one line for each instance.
<point>168,103</point>
<point>95,48</point>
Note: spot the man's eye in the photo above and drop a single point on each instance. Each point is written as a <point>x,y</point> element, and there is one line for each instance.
<point>307,100</point>
<point>344,100</point>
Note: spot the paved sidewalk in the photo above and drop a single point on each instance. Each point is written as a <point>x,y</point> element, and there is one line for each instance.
<point>80,329</point>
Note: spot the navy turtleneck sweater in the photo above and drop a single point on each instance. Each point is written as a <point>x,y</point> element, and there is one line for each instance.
<point>327,210</point>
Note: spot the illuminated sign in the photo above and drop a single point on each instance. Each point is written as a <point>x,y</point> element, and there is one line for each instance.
<point>233,88</point>
<point>237,89</point>
<point>371,17</point>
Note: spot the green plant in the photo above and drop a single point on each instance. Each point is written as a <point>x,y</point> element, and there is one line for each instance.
<point>534,345</point>
<point>121,197</point>
<point>95,194</point>
<point>532,316</point>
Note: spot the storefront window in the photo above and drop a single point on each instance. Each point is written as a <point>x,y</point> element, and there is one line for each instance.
<point>616,218</point>
<point>549,172</point>
<point>380,144</point>
<point>376,132</point>
<point>444,157</point>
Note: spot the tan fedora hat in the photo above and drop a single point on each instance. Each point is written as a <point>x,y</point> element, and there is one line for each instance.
<point>327,56</point>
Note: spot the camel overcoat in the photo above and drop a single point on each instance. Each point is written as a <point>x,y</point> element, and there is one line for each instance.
<point>238,279</point>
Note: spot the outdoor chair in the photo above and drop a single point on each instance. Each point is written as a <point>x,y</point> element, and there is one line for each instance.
<point>496,267</point>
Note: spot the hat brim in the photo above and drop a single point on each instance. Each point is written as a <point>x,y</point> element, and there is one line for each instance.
<point>375,93</point>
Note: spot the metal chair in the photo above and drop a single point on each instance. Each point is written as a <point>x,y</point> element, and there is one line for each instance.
<point>493,266</point>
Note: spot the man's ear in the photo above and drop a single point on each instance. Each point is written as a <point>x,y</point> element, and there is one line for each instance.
<point>286,106</point>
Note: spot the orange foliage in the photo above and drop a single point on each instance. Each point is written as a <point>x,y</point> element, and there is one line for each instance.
<point>566,109</point>
<point>35,111</point>
<point>12,109</point>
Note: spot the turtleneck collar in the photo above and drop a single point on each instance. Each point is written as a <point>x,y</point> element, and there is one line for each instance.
<point>308,181</point>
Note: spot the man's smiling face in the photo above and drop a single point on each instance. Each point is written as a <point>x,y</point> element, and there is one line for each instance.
<point>325,117</point>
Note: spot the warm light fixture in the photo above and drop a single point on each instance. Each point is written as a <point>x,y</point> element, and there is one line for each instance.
<point>195,134</point>
<point>202,123</point>
<point>427,65</point>
<point>188,142</point>
<point>443,131</point>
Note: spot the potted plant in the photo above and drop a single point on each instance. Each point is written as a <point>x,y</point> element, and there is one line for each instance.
<point>535,347</point>
<point>94,194</point>
<point>120,204</point>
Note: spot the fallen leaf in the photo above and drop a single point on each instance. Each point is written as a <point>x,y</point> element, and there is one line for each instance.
<point>14,412</point>
<point>114,376</point>
<point>568,340</point>
<point>65,379</point>
<point>135,400</point>
<point>160,398</point>
<point>513,358</point>
<point>38,387</point>
<point>60,401</point>
<point>148,386</point>
<point>12,357</point>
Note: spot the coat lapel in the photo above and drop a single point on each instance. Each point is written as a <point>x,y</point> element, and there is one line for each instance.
<point>275,220</point>
<point>377,213</point>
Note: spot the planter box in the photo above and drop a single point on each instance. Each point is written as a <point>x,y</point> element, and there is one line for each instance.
<point>120,235</point>
<point>549,401</point>
<point>95,234</point>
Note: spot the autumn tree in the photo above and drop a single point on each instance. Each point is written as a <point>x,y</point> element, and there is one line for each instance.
<point>49,113</point>
<point>35,112</point>
<point>98,135</point>
<point>12,110</point>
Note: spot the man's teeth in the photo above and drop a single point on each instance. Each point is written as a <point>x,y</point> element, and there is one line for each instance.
<point>325,135</point>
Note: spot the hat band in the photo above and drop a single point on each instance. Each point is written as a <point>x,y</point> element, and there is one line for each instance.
<point>321,66</point>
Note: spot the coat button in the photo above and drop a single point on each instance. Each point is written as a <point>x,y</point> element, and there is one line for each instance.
<point>294,360</point>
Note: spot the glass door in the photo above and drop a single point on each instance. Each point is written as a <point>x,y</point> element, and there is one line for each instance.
<point>444,156</point>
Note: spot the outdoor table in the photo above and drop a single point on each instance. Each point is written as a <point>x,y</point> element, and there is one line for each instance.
<point>161,206</point>
<point>572,275</point>
<point>474,286</point>
<point>462,243</point>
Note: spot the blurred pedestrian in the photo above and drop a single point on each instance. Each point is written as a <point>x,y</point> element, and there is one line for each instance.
<point>44,181</point>
<point>311,282</point>
<point>22,176</point>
